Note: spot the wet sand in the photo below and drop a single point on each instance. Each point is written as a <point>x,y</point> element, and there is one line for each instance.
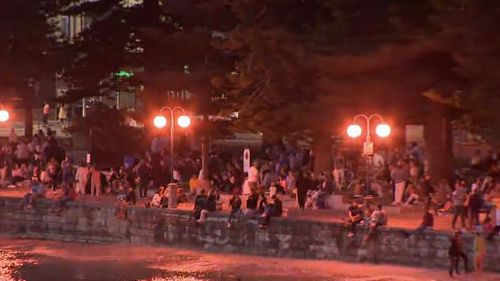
<point>34,260</point>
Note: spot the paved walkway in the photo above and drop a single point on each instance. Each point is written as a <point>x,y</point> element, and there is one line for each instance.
<point>407,220</point>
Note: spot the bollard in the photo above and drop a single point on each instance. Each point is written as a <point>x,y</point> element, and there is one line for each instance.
<point>172,195</point>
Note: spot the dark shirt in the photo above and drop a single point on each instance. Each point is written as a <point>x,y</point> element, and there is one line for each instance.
<point>455,247</point>
<point>427,188</point>
<point>252,201</point>
<point>277,208</point>
<point>262,204</point>
<point>211,203</point>
<point>143,172</point>
<point>355,211</point>
<point>200,202</point>
<point>474,202</point>
<point>235,203</point>
<point>428,220</point>
<point>130,198</point>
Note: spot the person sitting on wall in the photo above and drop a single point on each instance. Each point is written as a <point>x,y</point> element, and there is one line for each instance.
<point>426,224</point>
<point>262,202</point>
<point>412,195</point>
<point>181,196</point>
<point>235,208</point>
<point>130,199</point>
<point>37,191</point>
<point>252,202</point>
<point>211,201</point>
<point>200,205</point>
<point>378,218</point>
<point>273,209</point>
<point>69,194</point>
<point>355,217</point>
<point>157,199</point>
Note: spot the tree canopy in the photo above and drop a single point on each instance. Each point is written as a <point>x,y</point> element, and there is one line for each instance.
<point>29,44</point>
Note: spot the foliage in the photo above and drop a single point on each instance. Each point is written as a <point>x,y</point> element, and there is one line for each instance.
<point>29,44</point>
<point>301,64</point>
<point>167,45</point>
<point>110,132</point>
<point>469,29</point>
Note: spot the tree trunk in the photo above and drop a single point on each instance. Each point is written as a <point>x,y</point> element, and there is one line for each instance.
<point>439,143</point>
<point>28,117</point>
<point>322,147</point>
<point>204,147</point>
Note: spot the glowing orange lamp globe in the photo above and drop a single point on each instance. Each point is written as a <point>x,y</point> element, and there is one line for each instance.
<point>160,121</point>
<point>354,131</point>
<point>4,115</point>
<point>184,121</point>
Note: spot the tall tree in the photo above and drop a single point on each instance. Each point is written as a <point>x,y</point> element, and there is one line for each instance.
<point>468,28</point>
<point>166,44</point>
<point>29,40</point>
<point>303,66</point>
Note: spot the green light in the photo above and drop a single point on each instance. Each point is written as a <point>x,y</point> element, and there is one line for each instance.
<point>124,73</point>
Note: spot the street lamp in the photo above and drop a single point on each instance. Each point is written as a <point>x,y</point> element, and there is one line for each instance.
<point>160,122</point>
<point>382,130</point>
<point>4,114</point>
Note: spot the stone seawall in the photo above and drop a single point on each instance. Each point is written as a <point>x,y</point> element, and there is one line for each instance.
<point>97,223</point>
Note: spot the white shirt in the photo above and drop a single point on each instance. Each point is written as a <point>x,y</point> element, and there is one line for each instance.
<point>156,202</point>
<point>253,174</point>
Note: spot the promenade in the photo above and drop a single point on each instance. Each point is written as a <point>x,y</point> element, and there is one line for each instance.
<point>409,219</point>
<point>292,237</point>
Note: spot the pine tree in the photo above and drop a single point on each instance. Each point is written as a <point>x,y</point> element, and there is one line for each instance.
<point>166,44</point>
<point>303,66</point>
<point>29,43</point>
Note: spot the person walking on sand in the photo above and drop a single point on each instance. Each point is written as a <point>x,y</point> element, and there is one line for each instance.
<point>455,252</point>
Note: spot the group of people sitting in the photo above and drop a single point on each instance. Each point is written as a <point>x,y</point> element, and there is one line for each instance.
<point>367,215</point>
<point>255,205</point>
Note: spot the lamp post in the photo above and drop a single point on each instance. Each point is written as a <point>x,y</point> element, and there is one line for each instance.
<point>382,130</point>
<point>160,121</point>
<point>4,114</point>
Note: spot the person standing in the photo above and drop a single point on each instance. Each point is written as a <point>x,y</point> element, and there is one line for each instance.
<point>13,138</point>
<point>67,170</point>
<point>52,173</point>
<point>474,206</point>
<point>95,181</point>
<point>46,112</point>
<point>455,252</point>
<point>399,176</point>
<point>142,175</point>
<point>253,177</point>
<point>81,178</point>
<point>459,210</point>
<point>303,184</point>
<point>291,182</point>
<point>63,114</point>
<point>339,174</point>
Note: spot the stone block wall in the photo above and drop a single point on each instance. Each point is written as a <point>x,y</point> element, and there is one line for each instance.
<point>97,223</point>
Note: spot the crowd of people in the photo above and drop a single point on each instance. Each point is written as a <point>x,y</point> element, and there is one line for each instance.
<point>41,164</point>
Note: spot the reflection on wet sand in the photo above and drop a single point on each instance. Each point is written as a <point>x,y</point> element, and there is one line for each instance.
<point>33,260</point>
